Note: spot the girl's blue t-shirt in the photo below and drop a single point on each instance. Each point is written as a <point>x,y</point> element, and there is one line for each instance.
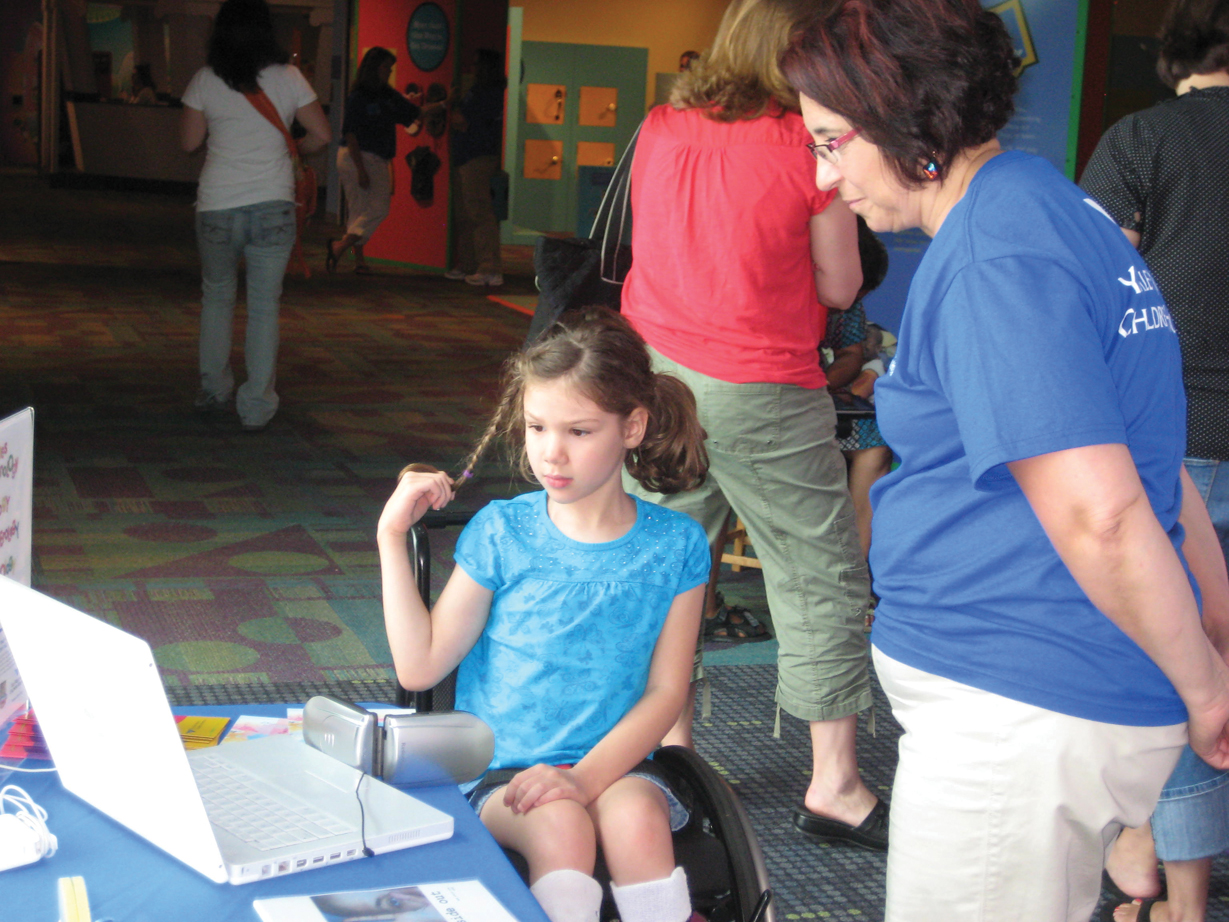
<point>566,650</point>
<point>1031,326</point>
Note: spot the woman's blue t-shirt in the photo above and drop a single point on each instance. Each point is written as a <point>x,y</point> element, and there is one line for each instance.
<point>566,650</point>
<point>1031,326</point>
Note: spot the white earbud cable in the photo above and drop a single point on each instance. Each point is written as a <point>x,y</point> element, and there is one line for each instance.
<point>29,814</point>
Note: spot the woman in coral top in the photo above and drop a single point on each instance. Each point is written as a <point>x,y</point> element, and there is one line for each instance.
<point>736,259</point>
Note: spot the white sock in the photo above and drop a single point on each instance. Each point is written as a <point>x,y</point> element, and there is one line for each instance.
<point>665,900</point>
<point>568,896</point>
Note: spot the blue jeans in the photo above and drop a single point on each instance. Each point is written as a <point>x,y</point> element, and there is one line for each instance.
<point>263,235</point>
<point>1215,492</point>
<point>1192,817</point>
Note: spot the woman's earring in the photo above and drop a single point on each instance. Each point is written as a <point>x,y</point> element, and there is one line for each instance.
<point>931,170</point>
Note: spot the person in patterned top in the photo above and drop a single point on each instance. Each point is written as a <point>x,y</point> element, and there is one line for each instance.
<point>1160,174</point>
<point>848,336</point>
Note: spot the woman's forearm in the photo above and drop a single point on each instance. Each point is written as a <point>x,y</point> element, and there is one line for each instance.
<point>1094,509</point>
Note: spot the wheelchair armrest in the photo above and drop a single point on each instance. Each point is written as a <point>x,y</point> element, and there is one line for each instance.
<point>443,695</point>
<point>420,559</point>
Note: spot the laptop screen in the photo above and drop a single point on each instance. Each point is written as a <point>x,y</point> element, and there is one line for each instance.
<point>101,706</point>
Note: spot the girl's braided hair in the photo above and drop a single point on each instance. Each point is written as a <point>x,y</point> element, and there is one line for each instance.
<point>598,352</point>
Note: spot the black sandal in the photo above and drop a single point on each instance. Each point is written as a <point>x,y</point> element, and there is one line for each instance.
<point>733,624</point>
<point>330,261</point>
<point>871,833</point>
<point>1119,897</point>
<point>1145,908</point>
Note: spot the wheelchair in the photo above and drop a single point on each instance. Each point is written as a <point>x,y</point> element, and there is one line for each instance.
<point>717,848</point>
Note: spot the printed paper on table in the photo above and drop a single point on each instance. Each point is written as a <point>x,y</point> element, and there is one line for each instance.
<point>457,901</point>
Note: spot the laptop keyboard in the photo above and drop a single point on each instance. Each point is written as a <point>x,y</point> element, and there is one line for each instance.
<point>241,803</point>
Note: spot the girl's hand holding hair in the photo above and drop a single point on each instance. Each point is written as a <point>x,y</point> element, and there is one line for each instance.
<point>420,487</point>
<point>542,784</point>
<point>426,645</point>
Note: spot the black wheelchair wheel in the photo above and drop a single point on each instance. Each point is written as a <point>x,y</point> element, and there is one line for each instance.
<point>719,816</point>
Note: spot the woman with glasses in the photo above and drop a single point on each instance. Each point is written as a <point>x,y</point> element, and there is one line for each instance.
<point>737,259</point>
<point>1038,631</point>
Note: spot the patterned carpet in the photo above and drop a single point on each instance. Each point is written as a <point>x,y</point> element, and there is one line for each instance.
<point>241,558</point>
<point>248,560</point>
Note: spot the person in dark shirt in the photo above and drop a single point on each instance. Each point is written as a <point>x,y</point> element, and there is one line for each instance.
<point>477,139</point>
<point>1160,174</point>
<point>867,455</point>
<point>373,110</point>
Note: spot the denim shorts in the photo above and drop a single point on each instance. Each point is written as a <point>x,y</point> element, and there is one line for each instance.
<point>1192,817</point>
<point>1214,489</point>
<point>491,782</point>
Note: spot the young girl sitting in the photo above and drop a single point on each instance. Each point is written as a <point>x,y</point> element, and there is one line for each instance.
<point>573,613</point>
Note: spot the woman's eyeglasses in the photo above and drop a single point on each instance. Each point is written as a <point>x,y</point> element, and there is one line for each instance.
<point>831,150</point>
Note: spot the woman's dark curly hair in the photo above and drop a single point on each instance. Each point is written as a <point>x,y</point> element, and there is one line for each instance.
<point>598,352</point>
<point>1194,40</point>
<point>922,79</point>
<point>242,44</point>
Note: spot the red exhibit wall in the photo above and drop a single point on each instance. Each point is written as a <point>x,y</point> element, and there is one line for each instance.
<point>412,233</point>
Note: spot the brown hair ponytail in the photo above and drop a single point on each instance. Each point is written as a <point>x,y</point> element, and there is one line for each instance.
<point>672,458</point>
<point>599,352</point>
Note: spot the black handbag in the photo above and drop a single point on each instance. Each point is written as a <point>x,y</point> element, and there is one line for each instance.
<point>576,272</point>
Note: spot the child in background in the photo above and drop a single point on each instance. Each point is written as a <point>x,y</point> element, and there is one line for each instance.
<point>573,613</point>
<point>878,350</point>
<point>866,453</point>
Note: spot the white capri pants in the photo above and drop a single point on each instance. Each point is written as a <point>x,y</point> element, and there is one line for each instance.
<point>1003,811</point>
<point>367,208</point>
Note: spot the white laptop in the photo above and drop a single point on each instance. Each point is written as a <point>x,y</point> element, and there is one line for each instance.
<point>102,708</point>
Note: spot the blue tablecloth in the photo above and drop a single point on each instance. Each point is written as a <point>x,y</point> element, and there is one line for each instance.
<point>129,880</point>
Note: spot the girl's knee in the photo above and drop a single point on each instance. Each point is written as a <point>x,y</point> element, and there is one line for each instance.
<point>632,816</point>
<point>554,836</point>
<point>562,837</point>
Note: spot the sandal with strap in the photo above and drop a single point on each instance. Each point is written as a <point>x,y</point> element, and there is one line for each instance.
<point>1145,908</point>
<point>734,624</point>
